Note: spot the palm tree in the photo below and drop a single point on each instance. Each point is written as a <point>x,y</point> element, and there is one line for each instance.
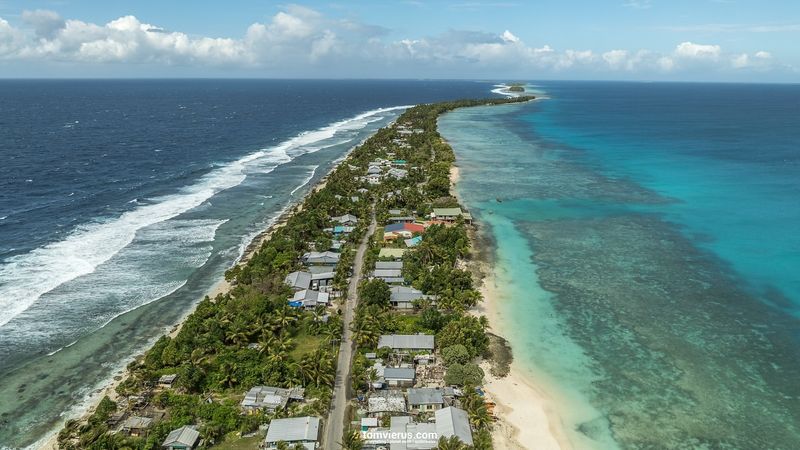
<point>352,440</point>
<point>228,372</point>
<point>367,329</point>
<point>283,317</point>
<point>237,337</point>
<point>451,443</point>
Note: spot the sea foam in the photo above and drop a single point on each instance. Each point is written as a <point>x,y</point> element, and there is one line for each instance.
<point>25,278</point>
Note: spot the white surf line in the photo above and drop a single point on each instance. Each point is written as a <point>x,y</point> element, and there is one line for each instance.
<point>306,181</point>
<point>25,278</point>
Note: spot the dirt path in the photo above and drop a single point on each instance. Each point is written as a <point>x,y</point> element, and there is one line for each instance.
<point>335,425</point>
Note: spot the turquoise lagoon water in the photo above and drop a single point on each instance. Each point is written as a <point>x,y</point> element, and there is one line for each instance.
<point>646,245</point>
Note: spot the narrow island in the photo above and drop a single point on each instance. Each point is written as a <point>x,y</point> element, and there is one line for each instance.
<point>353,317</point>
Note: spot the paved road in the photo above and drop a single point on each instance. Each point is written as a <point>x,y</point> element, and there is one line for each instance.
<point>335,425</point>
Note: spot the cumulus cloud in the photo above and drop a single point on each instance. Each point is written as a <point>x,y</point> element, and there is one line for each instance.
<point>698,51</point>
<point>298,39</point>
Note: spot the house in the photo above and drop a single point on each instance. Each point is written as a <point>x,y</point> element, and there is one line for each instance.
<point>395,212</point>
<point>166,381</point>
<point>386,403</point>
<point>450,214</point>
<point>321,258</point>
<point>389,275</point>
<point>399,376</point>
<point>374,170</point>
<point>399,162</point>
<point>309,299</point>
<point>184,438</point>
<point>389,265</point>
<point>408,228</point>
<point>403,433</point>
<point>343,229</point>
<point>293,431</point>
<point>452,421</point>
<point>137,426</point>
<point>373,179</point>
<point>362,190</point>
<point>397,173</point>
<point>347,219</point>
<point>321,277</point>
<point>425,399</point>
<point>298,280</point>
<point>402,297</point>
<point>413,242</point>
<point>270,398</point>
<point>401,219</point>
<point>354,199</point>
<point>392,253</point>
<point>407,342</point>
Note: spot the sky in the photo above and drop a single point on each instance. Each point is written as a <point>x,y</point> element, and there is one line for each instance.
<point>669,40</point>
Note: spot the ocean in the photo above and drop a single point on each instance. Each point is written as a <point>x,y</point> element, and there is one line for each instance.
<point>646,255</point>
<point>123,202</point>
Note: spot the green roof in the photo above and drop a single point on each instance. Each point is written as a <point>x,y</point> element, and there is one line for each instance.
<point>446,212</point>
<point>392,252</point>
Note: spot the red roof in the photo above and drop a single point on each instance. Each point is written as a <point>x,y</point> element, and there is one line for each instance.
<point>414,227</point>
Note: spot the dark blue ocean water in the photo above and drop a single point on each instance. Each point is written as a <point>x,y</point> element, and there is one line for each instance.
<point>647,258</point>
<point>122,202</point>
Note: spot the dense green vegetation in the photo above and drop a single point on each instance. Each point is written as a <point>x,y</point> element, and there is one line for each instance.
<point>435,266</point>
<point>250,336</point>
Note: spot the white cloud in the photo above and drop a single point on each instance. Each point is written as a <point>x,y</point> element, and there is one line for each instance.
<point>638,4</point>
<point>698,51</point>
<point>509,37</point>
<point>301,41</point>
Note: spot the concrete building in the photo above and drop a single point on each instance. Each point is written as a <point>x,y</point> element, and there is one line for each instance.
<point>425,399</point>
<point>399,376</point>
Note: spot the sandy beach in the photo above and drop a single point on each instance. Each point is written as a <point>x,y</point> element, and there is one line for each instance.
<point>526,415</point>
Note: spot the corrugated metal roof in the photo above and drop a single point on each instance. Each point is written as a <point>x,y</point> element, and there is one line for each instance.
<point>452,421</point>
<point>399,373</point>
<point>293,430</point>
<point>186,435</point>
<point>425,396</point>
<point>406,341</point>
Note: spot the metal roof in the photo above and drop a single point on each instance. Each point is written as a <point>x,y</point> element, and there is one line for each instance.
<point>406,341</point>
<point>387,273</point>
<point>425,396</point>
<point>399,373</point>
<point>389,265</point>
<point>295,429</point>
<point>185,435</point>
<point>404,294</point>
<point>452,421</point>
<point>300,280</point>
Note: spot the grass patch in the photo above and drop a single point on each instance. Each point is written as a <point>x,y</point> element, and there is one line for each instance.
<point>237,443</point>
<point>304,344</point>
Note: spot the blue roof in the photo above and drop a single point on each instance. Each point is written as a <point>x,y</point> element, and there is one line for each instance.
<point>394,227</point>
<point>295,304</point>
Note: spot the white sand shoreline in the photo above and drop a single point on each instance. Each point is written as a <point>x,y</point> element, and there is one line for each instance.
<point>526,413</point>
